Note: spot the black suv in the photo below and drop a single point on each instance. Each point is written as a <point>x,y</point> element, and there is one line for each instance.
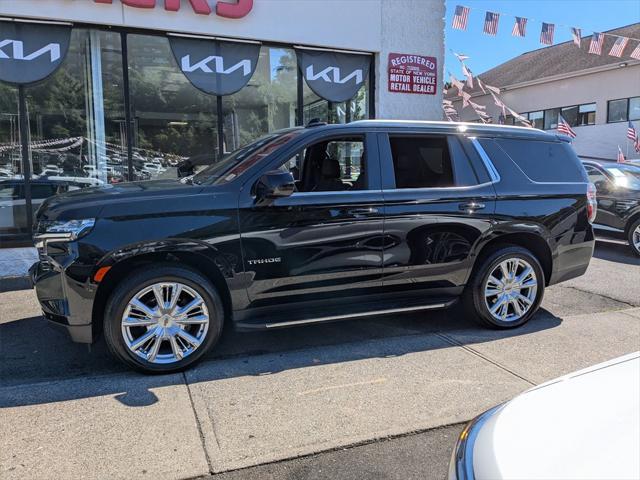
<point>618,191</point>
<point>317,224</point>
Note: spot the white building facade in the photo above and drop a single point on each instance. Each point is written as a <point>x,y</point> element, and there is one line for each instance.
<point>121,104</point>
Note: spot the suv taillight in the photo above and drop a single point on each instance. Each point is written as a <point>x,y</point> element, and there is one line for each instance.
<point>592,204</point>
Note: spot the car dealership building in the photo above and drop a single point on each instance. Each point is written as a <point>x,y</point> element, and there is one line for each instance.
<point>106,91</point>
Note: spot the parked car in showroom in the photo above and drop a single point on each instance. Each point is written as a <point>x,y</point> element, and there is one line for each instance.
<point>583,425</point>
<point>618,194</point>
<point>318,224</point>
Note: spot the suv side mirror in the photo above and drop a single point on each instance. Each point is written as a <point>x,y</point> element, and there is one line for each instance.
<point>275,184</point>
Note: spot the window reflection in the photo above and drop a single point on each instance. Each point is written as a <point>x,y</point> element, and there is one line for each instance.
<point>174,121</point>
<point>267,103</point>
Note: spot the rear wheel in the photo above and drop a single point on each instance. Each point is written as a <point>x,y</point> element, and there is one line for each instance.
<point>634,237</point>
<point>163,319</point>
<point>505,291</point>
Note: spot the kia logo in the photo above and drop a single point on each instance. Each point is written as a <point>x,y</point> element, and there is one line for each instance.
<point>332,75</point>
<point>218,65</point>
<point>17,53</point>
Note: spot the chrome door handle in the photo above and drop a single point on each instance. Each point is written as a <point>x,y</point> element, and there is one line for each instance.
<point>471,206</point>
<point>363,211</point>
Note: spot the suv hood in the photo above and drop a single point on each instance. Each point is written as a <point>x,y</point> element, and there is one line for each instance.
<point>89,202</point>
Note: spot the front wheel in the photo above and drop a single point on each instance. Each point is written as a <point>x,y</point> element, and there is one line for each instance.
<point>163,319</point>
<point>506,289</point>
<point>634,237</point>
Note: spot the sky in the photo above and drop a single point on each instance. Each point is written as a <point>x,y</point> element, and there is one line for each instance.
<point>486,52</point>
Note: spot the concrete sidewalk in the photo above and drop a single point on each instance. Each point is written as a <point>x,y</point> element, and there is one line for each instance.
<point>238,412</point>
<point>14,268</point>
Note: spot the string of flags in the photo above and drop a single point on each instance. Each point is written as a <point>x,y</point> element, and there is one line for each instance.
<point>480,110</point>
<point>547,32</point>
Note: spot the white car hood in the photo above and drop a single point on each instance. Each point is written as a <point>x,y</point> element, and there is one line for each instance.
<point>585,425</point>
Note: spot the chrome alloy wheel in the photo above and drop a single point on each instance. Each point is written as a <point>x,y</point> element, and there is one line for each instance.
<point>510,290</point>
<point>165,322</point>
<point>635,238</point>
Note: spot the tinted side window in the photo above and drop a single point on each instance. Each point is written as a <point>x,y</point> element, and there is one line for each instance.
<point>544,161</point>
<point>42,191</point>
<point>463,172</point>
<point>421,162</point>
<point>594,174</point>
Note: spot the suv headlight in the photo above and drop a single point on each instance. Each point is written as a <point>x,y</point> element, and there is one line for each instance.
<point>69,229</point>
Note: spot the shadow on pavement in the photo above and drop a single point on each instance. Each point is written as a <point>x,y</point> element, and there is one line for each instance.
<point>615,252</point>
<point>32,353</point>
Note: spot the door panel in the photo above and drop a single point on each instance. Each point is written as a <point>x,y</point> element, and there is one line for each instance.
<point>430,232</point>
<point>314,245</point>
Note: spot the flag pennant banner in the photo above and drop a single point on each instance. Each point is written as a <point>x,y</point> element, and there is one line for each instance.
<point>565,128</point>
<point>597,40</point>
<point>461,56</point>
<point>465,99</point>
<point>491,23</point>
<point>637,145</point>
<point>576,33</point>
<point>636,52</point>
<point>481,85</point>
<point>456,83</point>
<point>493,89</point>
<point>618,46</point>
<point>546,34</point>
<point>467,73</point>
<point>631,133</point>
<point>620,158</point>
<point>460,18</point>
<point>520,27</point>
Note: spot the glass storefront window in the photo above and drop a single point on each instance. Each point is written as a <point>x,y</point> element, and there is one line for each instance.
<point>634,108</point>
<point>570,114</point>
<point>537,119</point>
<point>267,103</point>
<point>174,121</point>
<point>587,114</point>
<point>315,108</point>
<point>617,110</point>
<point>551,118</point>
<point>13,218</point>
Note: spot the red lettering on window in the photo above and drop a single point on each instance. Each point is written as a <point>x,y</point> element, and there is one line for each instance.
<point>199,6</point>
<point>140,3</point>
<point>234,10</point>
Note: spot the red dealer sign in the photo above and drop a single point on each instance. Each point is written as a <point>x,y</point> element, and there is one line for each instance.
<point>412,74</point>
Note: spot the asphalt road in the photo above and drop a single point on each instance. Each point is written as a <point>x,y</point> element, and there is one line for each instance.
<point>356,399</point>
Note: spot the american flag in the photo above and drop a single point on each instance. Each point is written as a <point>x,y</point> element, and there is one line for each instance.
<point>636,52</point>
<point>460,18</point>
<point>491,23</point>
<point>576,33</point>
<point>618,46</point>
<point>631,133</point>
<point>546,35</point>
<point>596,43</point>
<point>620,155</point>
<point>520,27</point>
<point>564,127</point>
<point>637,145</point>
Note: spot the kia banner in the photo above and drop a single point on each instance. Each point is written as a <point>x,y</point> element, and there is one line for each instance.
<point>215,67</point>
<point>31,52</point>
<point>334,76</point>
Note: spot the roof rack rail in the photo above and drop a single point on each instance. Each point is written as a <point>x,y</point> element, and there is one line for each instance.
<point>315,122</point>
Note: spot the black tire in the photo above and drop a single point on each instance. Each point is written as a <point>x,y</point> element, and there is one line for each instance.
<point>474,300</point>
<point>136,282</point>
<point>635,225</point>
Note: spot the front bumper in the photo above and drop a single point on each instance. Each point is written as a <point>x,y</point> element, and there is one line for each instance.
<point>64,292</point>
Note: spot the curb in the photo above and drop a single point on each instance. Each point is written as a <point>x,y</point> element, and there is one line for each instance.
<point>10,284</point>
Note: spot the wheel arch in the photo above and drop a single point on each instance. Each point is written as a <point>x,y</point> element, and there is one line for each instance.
<point>123,264</point>
<point>630,221</point>
<point>533,242</point>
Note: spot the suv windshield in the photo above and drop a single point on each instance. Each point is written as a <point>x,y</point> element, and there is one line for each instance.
<point>237,162</point>
<point>625,176</point>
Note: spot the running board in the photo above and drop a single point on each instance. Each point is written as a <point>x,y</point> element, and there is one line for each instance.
<point>335,318</point>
